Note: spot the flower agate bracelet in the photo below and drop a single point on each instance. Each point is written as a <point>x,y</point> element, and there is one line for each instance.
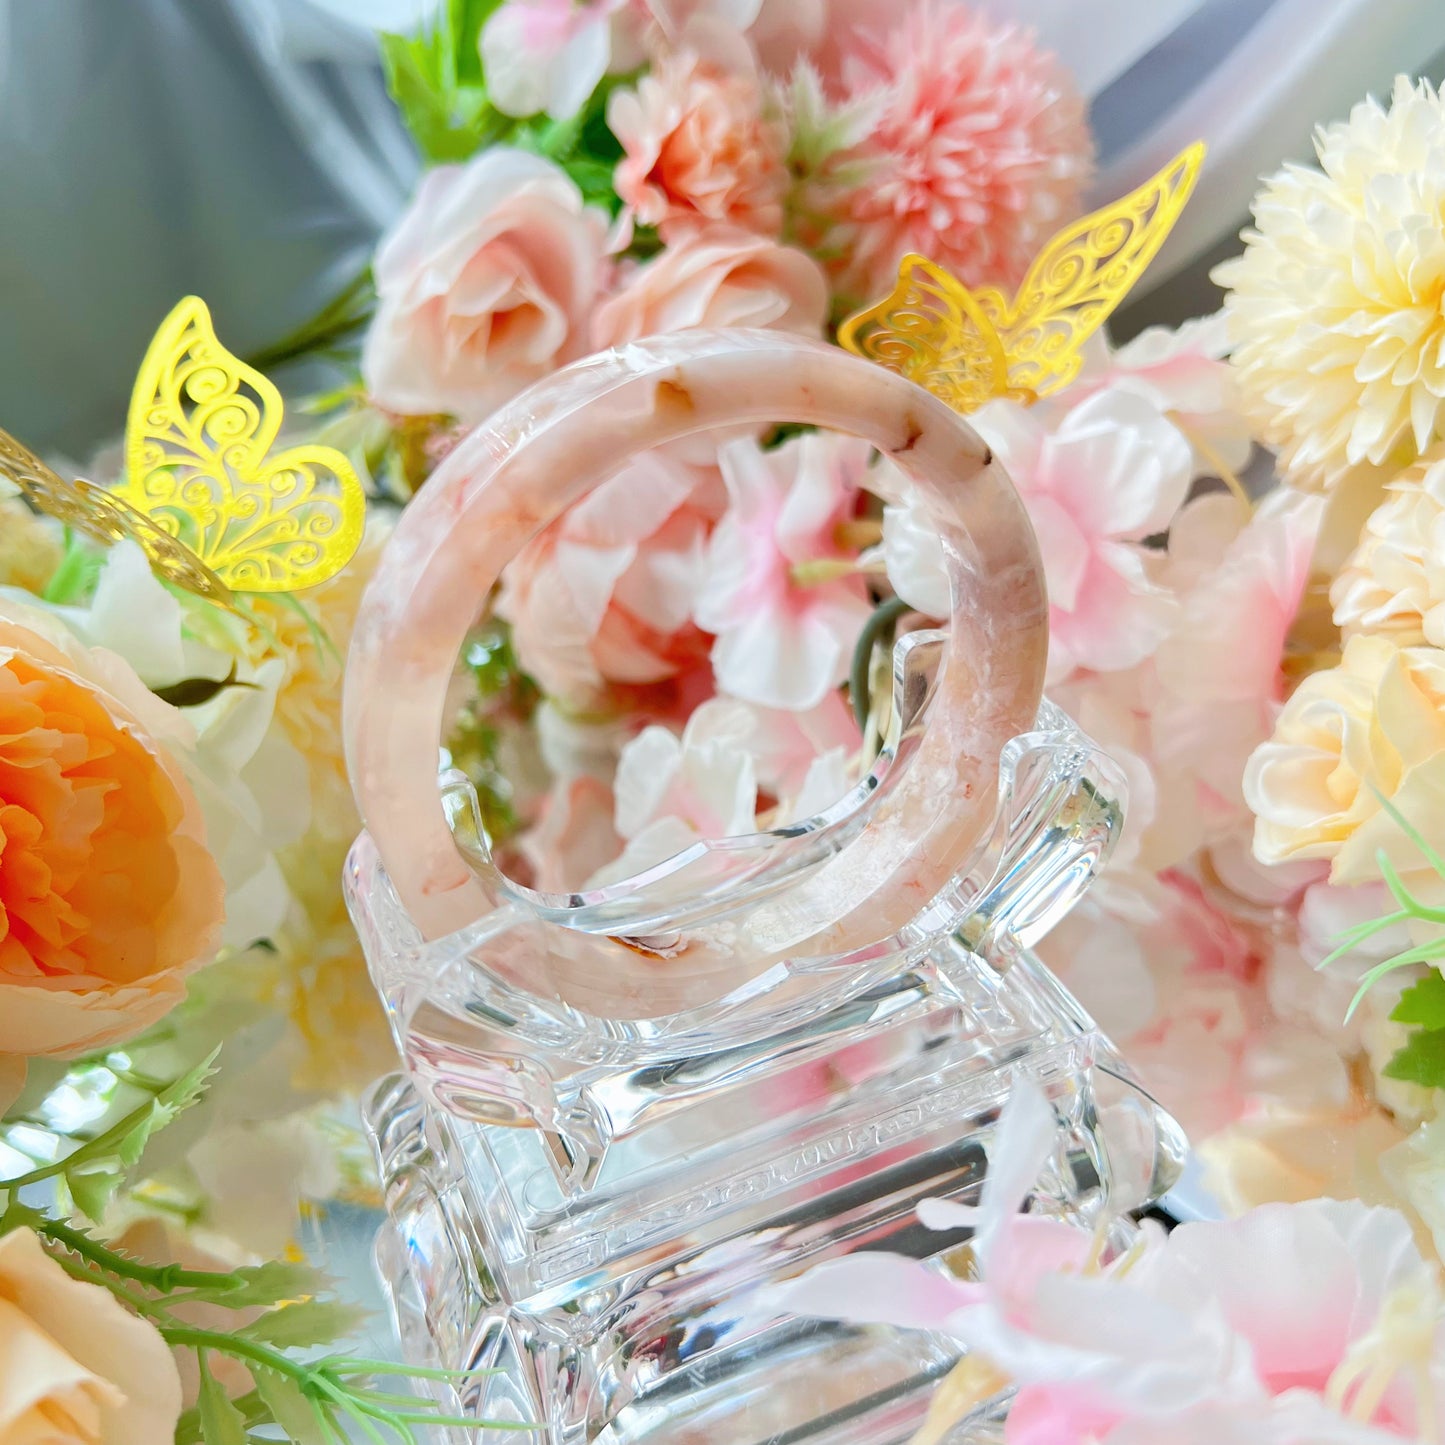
<point>844,880</point>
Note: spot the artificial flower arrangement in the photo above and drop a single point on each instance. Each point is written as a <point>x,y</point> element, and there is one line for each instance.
<point>693,651</point>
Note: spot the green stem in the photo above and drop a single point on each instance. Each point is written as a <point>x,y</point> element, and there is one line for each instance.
<point>162,1277</point>
<point>238,1347</point>
<point>138,1302</point>
<point>338,319</point>
<point>879,621</point>
<point>356,1413</point>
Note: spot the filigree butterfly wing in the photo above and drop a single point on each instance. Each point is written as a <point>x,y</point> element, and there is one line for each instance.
<point>199,463</point>
<point>105,518</point>
<point>931,330</point>
<point>1082,274</point>
<point>310,527</point>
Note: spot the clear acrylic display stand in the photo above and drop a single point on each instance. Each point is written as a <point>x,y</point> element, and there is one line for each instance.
<point>625,1114</point>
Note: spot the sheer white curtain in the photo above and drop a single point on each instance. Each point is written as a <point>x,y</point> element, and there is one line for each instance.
<point>246,150</point>
<point>1252,78</point>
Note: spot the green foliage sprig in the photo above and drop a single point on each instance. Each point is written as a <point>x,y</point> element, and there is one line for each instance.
<point>435,78</point>
<point>1422,1059</point>
<point>284,1310</point>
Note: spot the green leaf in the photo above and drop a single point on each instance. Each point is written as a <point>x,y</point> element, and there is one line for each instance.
<point>436,80</point>
<point>95,1169</point>
<point>193,691</point>
<point>1423,1003</point>
<point>172,1101</point>
<point>221,1422</point>
<point>1421,1061</point>
<point>289,1406</point>
<point>309,1322</point>
<point>251,1408</point>
<point>75,578</point>
<point>263,1284</point>
<point>92,1189</point>
<point>466,19</point>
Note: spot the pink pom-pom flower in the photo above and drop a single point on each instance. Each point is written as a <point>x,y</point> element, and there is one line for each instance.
<point>980,151</point>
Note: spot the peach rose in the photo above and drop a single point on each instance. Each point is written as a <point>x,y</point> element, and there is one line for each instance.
<point>606,594</point>
<point>483,286</point>
<point>108,894</point>
<point>699,145</point>
<point>75,1367</point>
<point>720,276</point>
<point>1374,725</point>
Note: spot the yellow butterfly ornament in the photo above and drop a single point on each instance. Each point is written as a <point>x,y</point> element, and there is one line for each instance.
<point>970,346</point>
<point>214,509</point>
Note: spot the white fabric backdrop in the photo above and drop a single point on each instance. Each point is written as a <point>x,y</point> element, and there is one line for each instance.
<point>150,148</point>
<point>245,149</point>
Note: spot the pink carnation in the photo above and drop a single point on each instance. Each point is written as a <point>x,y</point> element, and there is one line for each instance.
<point>699,145</point>
<point>980,152</point>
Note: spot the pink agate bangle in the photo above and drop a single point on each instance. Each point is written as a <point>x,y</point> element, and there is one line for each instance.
<point>539,456</point>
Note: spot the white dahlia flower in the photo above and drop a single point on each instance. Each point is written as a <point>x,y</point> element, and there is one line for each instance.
<point>1335,307</point>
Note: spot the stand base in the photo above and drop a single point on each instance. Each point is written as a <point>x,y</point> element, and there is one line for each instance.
<point>635,1311</point>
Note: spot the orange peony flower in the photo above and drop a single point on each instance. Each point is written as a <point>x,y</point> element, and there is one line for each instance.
<point>108,894</point>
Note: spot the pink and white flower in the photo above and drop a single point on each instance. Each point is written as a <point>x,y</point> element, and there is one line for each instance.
<point>822,33</point>
<point>1182,372</point>
<point>485,285</point>
<point>604,597</point>
<point>1221,684</point>
<point>780,592</point>
<point>1310,1323</point>
<point>575,836</point>
<point>547,55</point>
<point>735,769</point>
<point>703,784</point>
<point>1039,1312</point>
<point>720,276</point>
<point>1112,472</point>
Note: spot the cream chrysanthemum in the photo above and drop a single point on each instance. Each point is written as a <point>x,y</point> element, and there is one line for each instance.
<point>1394,582</point>
<point>30,547</point>
<point>1335,307</point>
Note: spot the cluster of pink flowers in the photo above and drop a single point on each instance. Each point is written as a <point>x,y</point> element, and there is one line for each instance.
<point>786,156</point>
<point>1172,605</point>
<point>693,628</point>
<point>1291,1325</point>
<point>691,623</point>
<point>774,163</point>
